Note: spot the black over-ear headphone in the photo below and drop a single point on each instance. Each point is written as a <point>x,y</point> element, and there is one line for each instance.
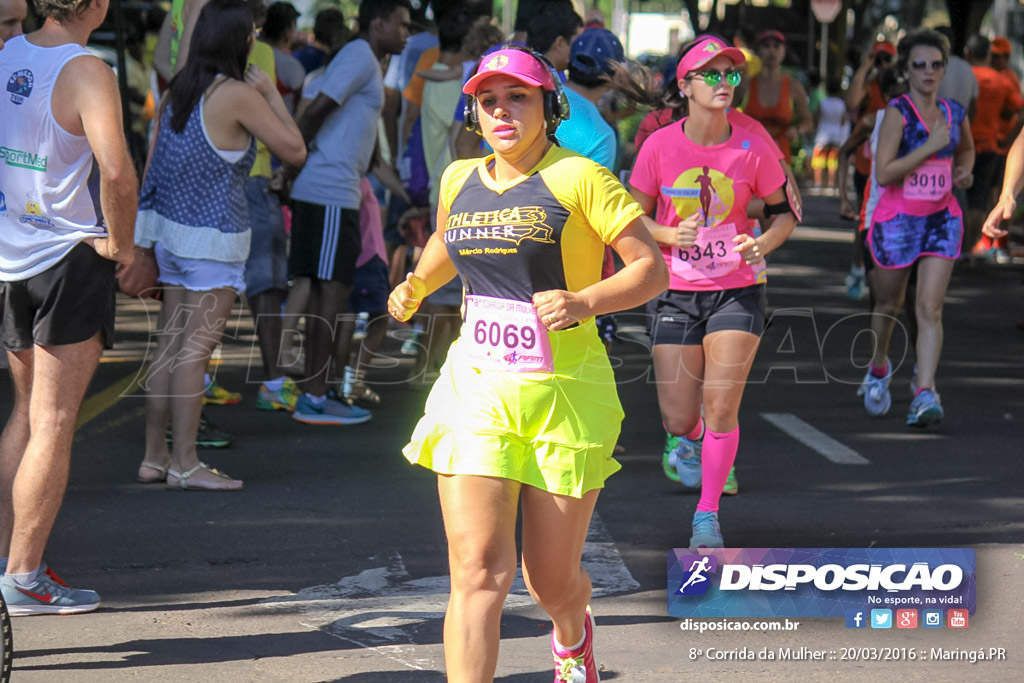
<point>556,104</point>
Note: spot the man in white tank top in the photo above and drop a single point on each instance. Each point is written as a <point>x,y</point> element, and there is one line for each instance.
<point>68,196</point>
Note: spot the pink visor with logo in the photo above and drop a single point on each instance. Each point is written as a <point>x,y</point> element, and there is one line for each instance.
<point>517,64</point>
<point>704,51</point>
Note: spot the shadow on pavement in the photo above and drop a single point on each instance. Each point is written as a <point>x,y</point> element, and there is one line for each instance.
<point>416,676</point>
<point>168,651</point>
<point>183,606</point>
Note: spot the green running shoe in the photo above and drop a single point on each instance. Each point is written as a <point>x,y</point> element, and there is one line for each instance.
<point>732,487</point>
<point>667,463</point>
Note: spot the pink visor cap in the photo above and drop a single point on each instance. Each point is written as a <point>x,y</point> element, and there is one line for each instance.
<point>517,64</point>
<point>704,51</point>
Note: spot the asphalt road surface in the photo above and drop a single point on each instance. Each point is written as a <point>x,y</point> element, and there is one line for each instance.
<point>331,565</point>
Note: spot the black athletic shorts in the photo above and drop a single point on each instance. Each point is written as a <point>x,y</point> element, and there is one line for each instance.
<point>687,317</point>
<point>66,304</point>
<point>325,242</point>
<point>986,167</point>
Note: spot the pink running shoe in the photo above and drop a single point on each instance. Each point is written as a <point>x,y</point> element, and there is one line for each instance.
<point>577,666</point>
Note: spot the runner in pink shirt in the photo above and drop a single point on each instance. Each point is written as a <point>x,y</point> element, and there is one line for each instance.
<point>698,176</point>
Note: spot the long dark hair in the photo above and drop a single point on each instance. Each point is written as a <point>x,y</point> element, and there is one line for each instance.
<point>638,84</point>
<point>220,45</point>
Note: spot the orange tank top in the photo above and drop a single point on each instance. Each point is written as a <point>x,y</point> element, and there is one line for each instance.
<point>777,118</point>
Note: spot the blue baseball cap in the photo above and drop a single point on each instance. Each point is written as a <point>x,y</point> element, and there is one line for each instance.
<point>594,52</point>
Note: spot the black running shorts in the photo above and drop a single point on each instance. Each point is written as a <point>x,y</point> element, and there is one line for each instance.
<point>67,304</point>
<point>325,242</point>
<point>687,317</point>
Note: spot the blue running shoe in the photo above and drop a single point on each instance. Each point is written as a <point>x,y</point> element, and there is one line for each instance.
<point>45,596</point>
<point>925,410</point>
<point>331,412</point>
<point>914,386</point>
<point>685,457</point>
<point>875,390</point>
<point>411,346</point>
<point>42,568</point>
<point>855,288</point>
<point>668,464</point>
<point>706,532</point>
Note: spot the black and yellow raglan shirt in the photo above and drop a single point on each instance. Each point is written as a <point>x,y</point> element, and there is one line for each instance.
<point>547,230</point>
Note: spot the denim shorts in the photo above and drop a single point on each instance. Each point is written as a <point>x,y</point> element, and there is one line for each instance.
<point>196,274</point>
<point>267,267</point>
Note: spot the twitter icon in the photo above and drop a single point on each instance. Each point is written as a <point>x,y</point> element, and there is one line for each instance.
<point>881,618</point>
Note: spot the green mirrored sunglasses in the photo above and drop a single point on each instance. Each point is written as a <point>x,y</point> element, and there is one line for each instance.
<point>713,78</point>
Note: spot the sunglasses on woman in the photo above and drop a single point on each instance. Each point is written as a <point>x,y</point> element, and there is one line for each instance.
<point>713,78</point>
<point>921,66</point>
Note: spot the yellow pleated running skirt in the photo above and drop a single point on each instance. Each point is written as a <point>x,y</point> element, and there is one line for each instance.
<point>553,431</point>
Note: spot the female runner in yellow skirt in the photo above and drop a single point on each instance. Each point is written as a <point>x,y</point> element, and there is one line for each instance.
<point>525,408</point>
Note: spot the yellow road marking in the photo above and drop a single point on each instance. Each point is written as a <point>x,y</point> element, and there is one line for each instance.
<point>93,406</point>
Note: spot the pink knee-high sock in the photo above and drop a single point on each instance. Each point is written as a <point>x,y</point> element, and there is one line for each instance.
<point>717,457</point>
<point>694,434</point>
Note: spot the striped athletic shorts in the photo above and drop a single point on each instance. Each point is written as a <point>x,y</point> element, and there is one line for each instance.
<point>325,242</point>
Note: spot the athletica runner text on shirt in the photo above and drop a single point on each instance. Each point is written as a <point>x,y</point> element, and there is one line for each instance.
<point>511,224</point>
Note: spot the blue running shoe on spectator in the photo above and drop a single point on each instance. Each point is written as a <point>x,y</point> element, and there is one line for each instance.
<point>706,532</point>
<point>925,410</point>
<point>411,346</point>
<point>330,412</point>
<point>45,596</point>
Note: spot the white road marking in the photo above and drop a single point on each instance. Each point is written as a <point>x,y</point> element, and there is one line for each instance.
<point>816,440</point>
<point>378,608</point>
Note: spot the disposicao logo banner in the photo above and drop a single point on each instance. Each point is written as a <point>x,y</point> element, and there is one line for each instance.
<point>817,582</point>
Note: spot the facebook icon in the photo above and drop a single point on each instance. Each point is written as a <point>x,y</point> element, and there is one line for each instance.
<point>855,618</point>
